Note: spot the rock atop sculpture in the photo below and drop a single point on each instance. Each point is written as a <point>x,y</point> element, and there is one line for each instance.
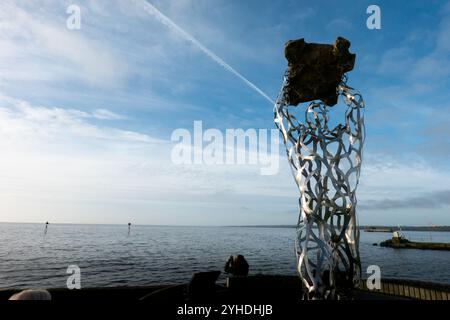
<point>315,70</point>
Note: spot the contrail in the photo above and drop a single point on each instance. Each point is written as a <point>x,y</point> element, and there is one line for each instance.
<point>149,8</point>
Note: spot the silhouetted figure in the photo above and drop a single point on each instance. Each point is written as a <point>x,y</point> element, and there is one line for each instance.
<point>46,227</point>
<point>203,285</point>
<point>237,266</point>
<point>32,295</point>
<point>129,228</point>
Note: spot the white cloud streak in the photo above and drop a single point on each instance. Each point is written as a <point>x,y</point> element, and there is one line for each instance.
<point>149,8</point>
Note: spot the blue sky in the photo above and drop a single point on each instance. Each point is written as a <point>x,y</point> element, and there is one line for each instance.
<point>86,115</point>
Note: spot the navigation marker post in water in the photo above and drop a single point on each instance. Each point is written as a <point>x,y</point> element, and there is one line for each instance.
<point>129,228</point>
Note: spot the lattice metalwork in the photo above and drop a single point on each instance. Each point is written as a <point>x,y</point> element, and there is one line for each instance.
<point>326,163</point>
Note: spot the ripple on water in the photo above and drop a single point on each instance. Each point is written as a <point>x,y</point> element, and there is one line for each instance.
<point>107,256</point>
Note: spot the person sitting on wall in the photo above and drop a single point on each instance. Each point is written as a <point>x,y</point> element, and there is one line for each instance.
<point>237,266</point>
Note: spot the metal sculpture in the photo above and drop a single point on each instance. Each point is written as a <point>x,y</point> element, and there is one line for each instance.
<point>326,161</point>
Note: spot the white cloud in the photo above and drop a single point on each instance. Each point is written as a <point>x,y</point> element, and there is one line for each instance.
<point>339,25</point>
<point>305,13</point>
<point>396,60</point>
<point>397,178</point>
<point>67,167</point>
<point>404,63</point>
<point>20,119</point>
<point>60,161</point>
<point>40,47</point>
<point>104,114</point>
<point>57,164</point>
<point>78,166</point>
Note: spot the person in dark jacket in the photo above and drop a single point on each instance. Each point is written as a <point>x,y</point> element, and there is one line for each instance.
<point>237,266</point>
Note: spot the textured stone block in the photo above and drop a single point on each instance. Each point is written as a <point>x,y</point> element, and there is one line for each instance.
<point>315,70</point>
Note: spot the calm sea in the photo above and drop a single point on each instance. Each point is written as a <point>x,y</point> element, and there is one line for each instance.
<point>108,256</point>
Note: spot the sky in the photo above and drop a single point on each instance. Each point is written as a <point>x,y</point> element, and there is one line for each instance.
<point>86,115</point>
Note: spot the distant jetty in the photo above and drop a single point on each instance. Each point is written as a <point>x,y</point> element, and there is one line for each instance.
<point>405,228</point>
<point>378,229</point>
<point>365,228</point>
<point>400,242</point>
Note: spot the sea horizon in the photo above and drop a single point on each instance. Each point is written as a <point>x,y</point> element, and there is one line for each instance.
<point>111,255</point>
<point>435,228</point>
